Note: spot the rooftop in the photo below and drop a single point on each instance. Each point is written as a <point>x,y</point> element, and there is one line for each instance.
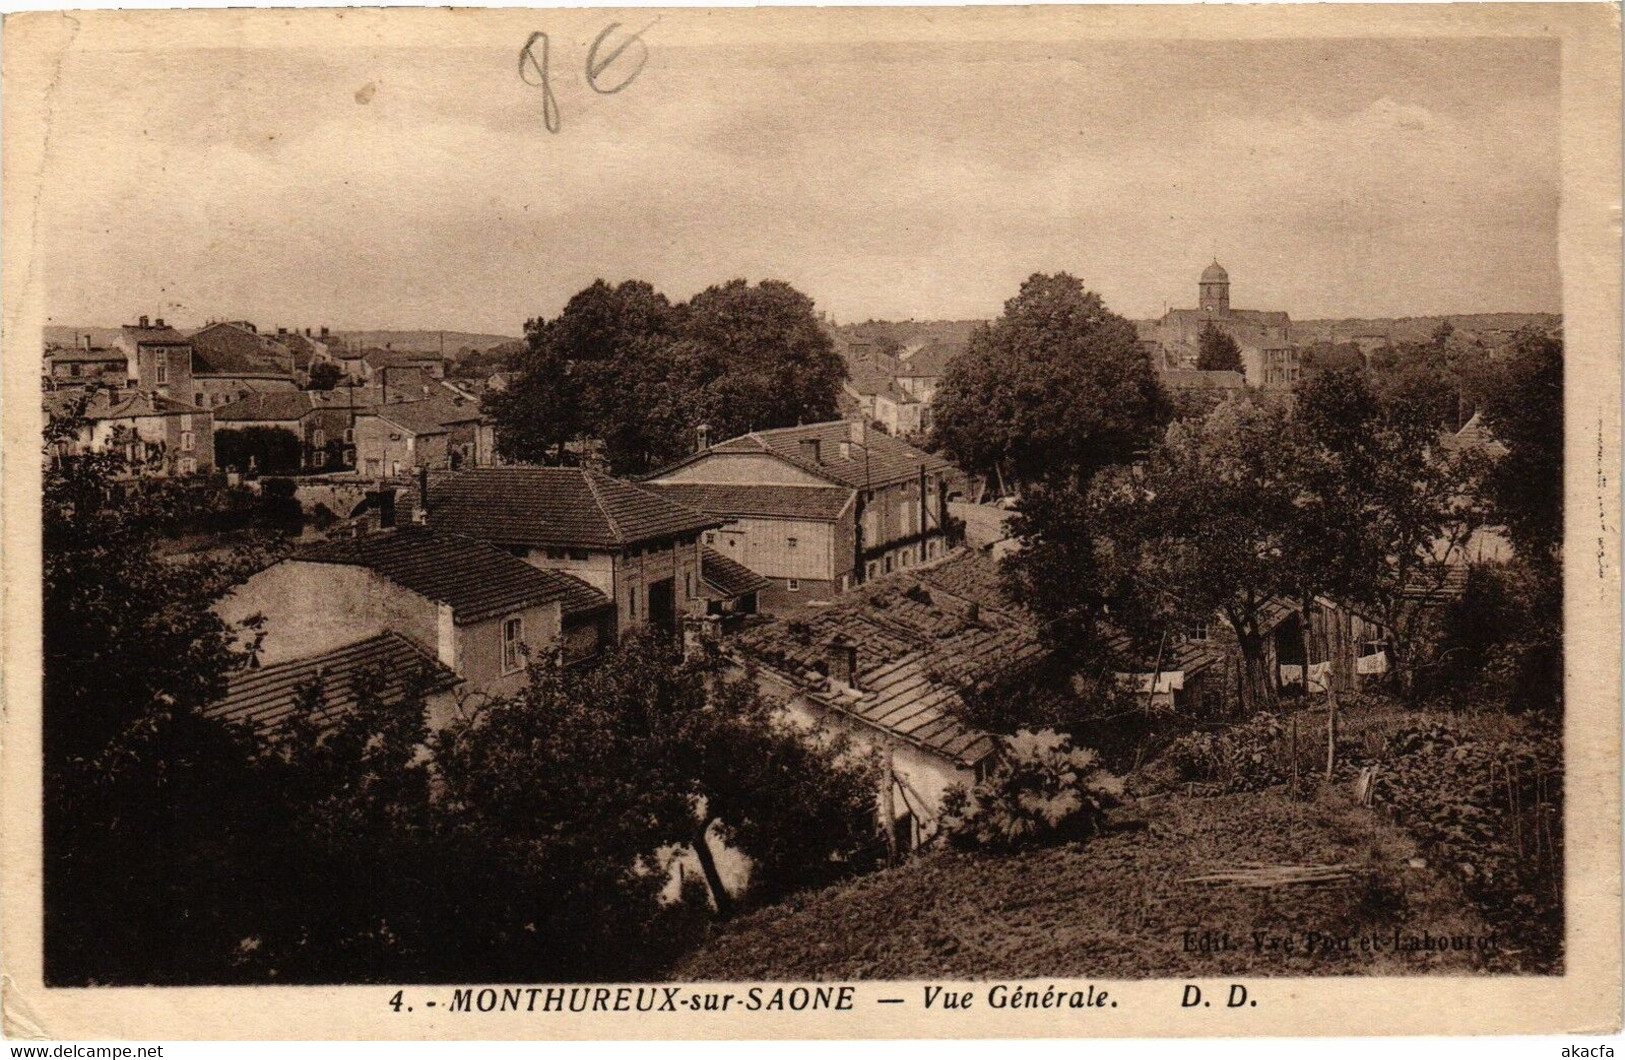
<point>1197,378</point>
<point>728,578</point>
<point>477,580</point>
<point>387,665</point>
<point>120,405</point>
<point>923,636</point>
<point>877,459</point>
<point>559,506</point>
<point>819,503</point>
<point>274,405</point>
<point>231,349</point>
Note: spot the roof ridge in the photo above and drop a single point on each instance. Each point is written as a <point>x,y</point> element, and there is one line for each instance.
<point>590,477</point>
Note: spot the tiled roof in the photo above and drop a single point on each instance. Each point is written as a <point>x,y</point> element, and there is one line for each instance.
<point>919,647</point>
<point>228,349</point>
<point>866,378</point>
<point>79,353</point>
<point>821,503</point>
<point>558,506</point>
<point>377,358</point>
<point>1186,656</point>
<point>105,405</point>
<point>727,577</point>
<point>879,460</point>
<point>930,361</point>
<point>273,405</point>
<point>477,580</point>
<point>268,697</point>
<point>165,336</point>
<point>418,417</point>
<point>1473,436</point>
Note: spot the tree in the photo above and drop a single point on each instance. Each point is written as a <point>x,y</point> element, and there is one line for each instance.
<point>267,450</point>
<point>1056,385</point>
<point>1402,507</point>
<point>325,375</point>
<point>1217,351</point>
<point>1524,411</point>
<point>638,374</point>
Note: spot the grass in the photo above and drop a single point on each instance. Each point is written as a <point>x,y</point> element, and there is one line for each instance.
<point>1117,907</point>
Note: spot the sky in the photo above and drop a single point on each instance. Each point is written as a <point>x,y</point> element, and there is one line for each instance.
<point>384,186</point>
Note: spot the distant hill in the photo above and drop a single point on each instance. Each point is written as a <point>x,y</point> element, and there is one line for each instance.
<point>1489,327</point>
<point>453,342</point>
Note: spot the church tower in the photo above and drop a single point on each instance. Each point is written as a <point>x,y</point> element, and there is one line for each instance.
<point>1214,289</point>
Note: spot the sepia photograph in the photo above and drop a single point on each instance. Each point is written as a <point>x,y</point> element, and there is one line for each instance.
<point>691,497</point>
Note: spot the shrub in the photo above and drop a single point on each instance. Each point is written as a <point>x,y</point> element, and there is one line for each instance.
<point>1042,790</point>
<point>1247,757</point>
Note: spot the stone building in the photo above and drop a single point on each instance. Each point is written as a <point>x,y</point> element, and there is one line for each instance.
<point>1268,358</point>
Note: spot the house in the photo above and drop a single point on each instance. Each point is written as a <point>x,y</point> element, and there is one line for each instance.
<point>444,430</point>
<point>921,371</point>
<point>158,359</point>
<point>889,666</point>
<point>881,399</point>
<point>386,665</point>
<point>1265,336</point>
<point>816,509</point>
<point>157,435</point>
<point>474,608</point>
<point>631,543</point>
<point>71,366</point>
<point>376,364</point>
<point>322,421</point>
<point>231,360</point>
<point>308,350</point>
<point>731,589</point>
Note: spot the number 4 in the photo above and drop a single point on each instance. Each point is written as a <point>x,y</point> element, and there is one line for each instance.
<point>395,1002</point>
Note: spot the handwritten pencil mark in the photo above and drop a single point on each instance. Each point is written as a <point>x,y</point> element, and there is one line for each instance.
<point>529,66</point>
<point>596,66</point>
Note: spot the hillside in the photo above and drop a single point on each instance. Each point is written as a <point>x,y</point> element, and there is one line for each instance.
<point>1489,327</point>
<point>453,341</point>
<point>1116,907</point>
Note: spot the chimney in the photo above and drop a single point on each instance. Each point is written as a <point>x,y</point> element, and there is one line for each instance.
<point>307,333</point>
<point>810,450</point>
<point>386,509</point>
<point>143,321</point>
<point>87,343</point>
<point>702,437</point>
<point>158,323</point>
<point>842,658</point>
<point>324,332</point>
<point>279,331</point>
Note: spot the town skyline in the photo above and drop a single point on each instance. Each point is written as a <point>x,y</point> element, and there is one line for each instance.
<point>1334,179</point>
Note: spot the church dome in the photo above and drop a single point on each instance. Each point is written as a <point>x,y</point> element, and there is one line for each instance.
<point>1215,273</point>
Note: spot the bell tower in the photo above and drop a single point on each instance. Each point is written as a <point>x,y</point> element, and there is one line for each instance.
<point>1213,291</point>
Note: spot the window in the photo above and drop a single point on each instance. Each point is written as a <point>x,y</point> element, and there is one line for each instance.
<point>160,362</point>
<point>555,553</point>
<point>349,435</point>
<point>374,466</point>
<point>577,554</point>
<point>188,441</point>
<point>73,370</point>
<point>186,421</point>
<point>1196,631</point>
<point>790,543</point>
<point>394,436</point>
<point>349,458</point>
<point>869,570</point>
<point>188,466</point>
<point>197,398</point>
<point>512,630</point>
<point>318,437</point>
<point>688,585</point>
<point>319,458</point>
<point>711,537</point>
<point>632,602</point>
<point>793,584</point>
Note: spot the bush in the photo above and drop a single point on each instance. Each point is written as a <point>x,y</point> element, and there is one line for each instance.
<point>1254,755</point>
<point>1042,790</point>
<point>1491,814</point>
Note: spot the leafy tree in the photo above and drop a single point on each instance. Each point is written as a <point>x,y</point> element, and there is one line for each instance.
<point>267,450</point>
<point>1217,351</point>
<point>1402,506</point>
<point>1057,384</point>
<point>325,375</point>
<point>638,374</point>
<point>1525,412</point>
